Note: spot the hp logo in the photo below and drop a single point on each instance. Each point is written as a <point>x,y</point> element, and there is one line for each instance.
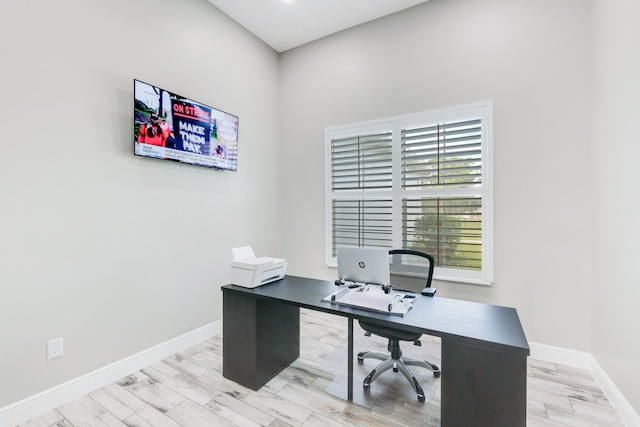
<point>361,264</point>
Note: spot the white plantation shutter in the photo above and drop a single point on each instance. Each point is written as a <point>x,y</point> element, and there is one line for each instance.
<point>361,222</point>
<point>421,181</point>
<point>435,159</point>
<point>359,164</point>
<point>444,155</point>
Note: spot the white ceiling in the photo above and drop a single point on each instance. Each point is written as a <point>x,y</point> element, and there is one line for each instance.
<point>285,24</point>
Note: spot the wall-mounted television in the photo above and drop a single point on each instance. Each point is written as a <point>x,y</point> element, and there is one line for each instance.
<point>171,127</point>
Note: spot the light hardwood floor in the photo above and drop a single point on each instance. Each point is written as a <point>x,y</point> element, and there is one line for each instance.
<point>188,389</point>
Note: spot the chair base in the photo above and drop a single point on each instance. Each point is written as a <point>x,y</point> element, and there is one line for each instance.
<point>400,364</point>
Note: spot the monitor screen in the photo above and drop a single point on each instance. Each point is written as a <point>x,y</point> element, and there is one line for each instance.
<point>168,126</point>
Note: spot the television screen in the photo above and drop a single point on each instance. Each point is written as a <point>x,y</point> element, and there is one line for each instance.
<point>171,127</point>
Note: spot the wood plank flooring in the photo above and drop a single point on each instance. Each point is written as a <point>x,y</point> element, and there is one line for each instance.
<point>188,390</point>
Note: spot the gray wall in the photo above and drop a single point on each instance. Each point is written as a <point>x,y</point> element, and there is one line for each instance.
<point>616,106</point>
<point>113,252</point>
<point>535,60</point>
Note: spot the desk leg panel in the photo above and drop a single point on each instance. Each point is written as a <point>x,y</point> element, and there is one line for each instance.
<point>260,338</point>
<point>482,388</point>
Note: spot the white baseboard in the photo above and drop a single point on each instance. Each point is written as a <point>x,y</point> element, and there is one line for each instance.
<point>47,400</point>
<point>583,360</point>
<point>563,356</point>
<point>50,399</point>
<point>629,416</point>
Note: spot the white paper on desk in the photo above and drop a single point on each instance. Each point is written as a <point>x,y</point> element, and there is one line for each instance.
<point>244,252</point>
<point>378,301</point>
<point>371,298</point>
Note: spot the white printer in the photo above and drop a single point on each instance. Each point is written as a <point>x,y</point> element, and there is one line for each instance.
<point>249,271</point>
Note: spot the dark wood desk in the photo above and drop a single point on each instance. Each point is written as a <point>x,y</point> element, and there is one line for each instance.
<point>484,349</point>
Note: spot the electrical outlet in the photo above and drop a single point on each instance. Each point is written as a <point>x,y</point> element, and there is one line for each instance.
<point>55,348</point>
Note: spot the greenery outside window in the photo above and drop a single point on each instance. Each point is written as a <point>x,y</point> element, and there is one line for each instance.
<point>420,181</point>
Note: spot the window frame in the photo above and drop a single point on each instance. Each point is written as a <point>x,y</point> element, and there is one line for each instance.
<point>482,110</point>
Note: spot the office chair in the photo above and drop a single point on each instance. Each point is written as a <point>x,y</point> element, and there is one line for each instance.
<point>410,271</point>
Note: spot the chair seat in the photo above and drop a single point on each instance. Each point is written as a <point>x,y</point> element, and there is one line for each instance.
<point>388,332</point>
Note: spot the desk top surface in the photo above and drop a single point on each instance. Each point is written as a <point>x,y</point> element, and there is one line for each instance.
<point>490,326</point>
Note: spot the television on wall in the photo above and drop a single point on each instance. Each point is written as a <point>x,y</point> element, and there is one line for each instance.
<point>168,126</point>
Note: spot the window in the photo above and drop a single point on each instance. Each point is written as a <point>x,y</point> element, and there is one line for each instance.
<point>420,181</point>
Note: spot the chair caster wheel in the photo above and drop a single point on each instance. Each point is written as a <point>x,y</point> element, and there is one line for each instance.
<point>366,387</point>
<point>360,360</point>
<point>436,374</point>
<point>421,399</point>
<point>395,369</point>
